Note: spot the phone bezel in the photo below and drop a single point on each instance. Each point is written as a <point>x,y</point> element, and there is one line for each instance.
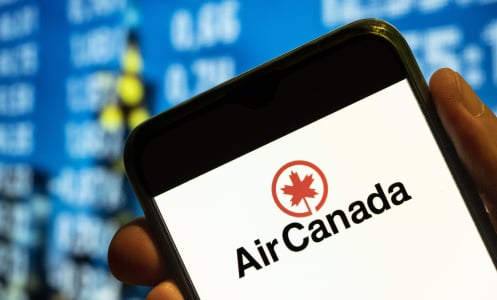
<point>161,153</point>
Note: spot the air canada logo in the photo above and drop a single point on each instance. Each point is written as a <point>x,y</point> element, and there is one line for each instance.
<point>299,188</point>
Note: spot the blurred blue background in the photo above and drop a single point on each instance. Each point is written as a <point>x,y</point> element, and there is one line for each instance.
<point>77,75</point>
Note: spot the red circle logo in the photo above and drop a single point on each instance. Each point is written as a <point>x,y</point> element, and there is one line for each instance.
<point>299,188</point>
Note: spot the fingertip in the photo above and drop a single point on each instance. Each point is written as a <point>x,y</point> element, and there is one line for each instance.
<point>165,290</point>
<point>449,87</point>
<point>443,73</point>
<point>444,85</point>
<point>133,257</point>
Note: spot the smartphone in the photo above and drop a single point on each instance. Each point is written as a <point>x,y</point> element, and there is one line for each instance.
<point>322,174</point>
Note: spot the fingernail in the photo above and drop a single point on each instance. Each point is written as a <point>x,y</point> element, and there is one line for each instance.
<point>470,101</point>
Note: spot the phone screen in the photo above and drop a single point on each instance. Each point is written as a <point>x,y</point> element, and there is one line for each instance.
<point>359,204</point>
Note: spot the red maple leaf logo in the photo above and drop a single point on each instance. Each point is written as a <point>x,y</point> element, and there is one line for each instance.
<point>300,189</point>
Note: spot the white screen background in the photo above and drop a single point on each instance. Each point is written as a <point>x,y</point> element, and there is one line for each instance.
<point>426,248</point>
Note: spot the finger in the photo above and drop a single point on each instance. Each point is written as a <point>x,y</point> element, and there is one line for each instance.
<point>133,257</point>
<point>473,130</point>
<point>166,290</point>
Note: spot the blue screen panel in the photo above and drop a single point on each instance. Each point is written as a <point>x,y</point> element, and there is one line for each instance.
<point>77,75</point>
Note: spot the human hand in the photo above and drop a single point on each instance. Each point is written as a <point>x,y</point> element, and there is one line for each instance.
<point>472,127</point>
<point>134,258</point>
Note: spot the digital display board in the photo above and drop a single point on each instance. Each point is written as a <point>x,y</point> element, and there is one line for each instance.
<point>77,75</point>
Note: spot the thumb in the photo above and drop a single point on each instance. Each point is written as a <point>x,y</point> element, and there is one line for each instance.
<point>472,128</point>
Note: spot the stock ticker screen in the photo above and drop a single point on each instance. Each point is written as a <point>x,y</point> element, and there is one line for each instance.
<point>77,75</point>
